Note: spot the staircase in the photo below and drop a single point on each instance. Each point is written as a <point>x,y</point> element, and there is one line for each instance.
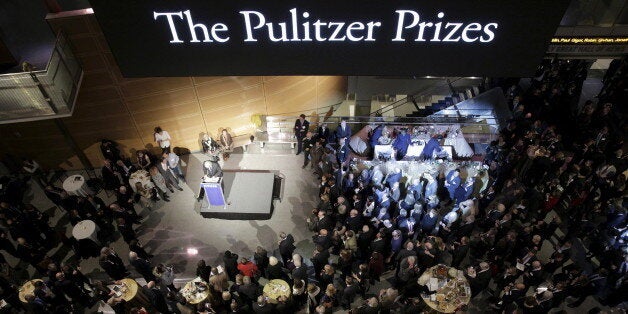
<point>434,107</point>
<point>445,103</point>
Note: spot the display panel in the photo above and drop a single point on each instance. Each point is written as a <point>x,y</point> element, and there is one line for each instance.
<point>325,37</point>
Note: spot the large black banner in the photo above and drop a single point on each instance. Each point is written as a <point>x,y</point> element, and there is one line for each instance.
<point>328,37</point>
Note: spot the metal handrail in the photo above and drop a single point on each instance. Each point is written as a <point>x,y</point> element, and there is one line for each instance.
<point>378,120</point>
<point>403,101</point>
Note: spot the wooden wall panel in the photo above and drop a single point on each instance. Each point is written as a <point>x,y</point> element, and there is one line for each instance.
<point>84,44</point>
<point>113,122</point>
<point>97,79</point>
<point>126,110</point>
<point>233,98</point>
<point>155,85</point>
<point>174,112</point>
<point>100,95</point>
<point>231,84</point>
<point>301,95</point>
<point>92,62</point>
<point>98,111</point>
<point>162,100</point>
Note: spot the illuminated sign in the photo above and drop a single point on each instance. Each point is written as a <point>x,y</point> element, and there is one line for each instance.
<point>328,37</point>
<point>590,40</point>
<point>301,28</point>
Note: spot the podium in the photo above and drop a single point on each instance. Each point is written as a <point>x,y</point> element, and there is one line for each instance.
<point>213,192</point>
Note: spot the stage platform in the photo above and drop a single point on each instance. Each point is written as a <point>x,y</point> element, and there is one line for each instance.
<point>248,196</point>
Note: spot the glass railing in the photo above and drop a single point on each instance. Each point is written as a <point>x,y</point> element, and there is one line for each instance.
<point>42,94</point>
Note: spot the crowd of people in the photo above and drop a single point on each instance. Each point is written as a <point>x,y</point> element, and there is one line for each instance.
<point>553,181</point>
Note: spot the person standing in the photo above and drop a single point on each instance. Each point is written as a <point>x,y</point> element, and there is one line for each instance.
<point>171,180</point>
<point>286,246</point>
<point>163,139</point>
<point>343,130</point>
<point>301,126</point>
<point>160,182</point>
<point>174,164</point>
<point>308,143</point>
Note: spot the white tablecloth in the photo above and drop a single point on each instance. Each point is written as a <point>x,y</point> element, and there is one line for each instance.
<point>415,150</point>
<point>76,185</point>
<point>86,229</point>
<point>141,176</point>
<point>383,150</point>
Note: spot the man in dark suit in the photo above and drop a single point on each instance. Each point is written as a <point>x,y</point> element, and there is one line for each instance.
<point>71,289</point>
<point>110,176</point>
<point>286,247</point>
<point>308,144</point>
<point>479,280</point>
<point>248,290</point>
<point>349,293</point>
<point>320,259</point>
<point>343,130</point>
<point>534,275</point>
<point>124,197</point>
<point>261,306</point>
<point>364,240</point>
<point>378,244</point>
<point>343,151</point>
<point>128,234</point>
<point>324,222</point>
<point>323,239</point>
<point>112,264</point>
<point>156,297</point>
<point>459,251</point>
<point>125,168</point>
<point>142,266</point>
<point>300,270</point>
<point>323,133</point>
<point>512,294</point>
<point>301,126</point>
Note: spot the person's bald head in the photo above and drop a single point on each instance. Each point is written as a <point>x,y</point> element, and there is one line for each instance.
<point>372,302</point>
<point>226,296</point>
<point>484,265</point>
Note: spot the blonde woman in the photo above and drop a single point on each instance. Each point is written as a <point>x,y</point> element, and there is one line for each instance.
<point>313,298</point>
<point>329,299</point>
